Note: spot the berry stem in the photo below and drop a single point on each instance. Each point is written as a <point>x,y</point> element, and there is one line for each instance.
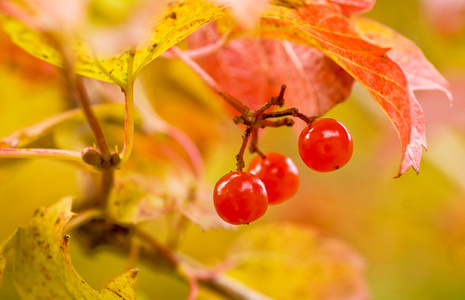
<point>289,112</point>
<point>240,156</point>
<point>279,101</point>
<point>235,103</point>
<point>278,123</point>
<point>254,144</point>
<point>40,153</point>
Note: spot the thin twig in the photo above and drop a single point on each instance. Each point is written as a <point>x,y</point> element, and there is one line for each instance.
<point>154,123</point>
<point>240,156</point>
<point>165,253</point>
<point>40,153</point>
<point>202,51</point>
<point>280,122</point>
<point>235,103</point>
<point>78,91</point>
<point>279,101</point>
<point>182,267</point>
<point>254,144</point>
<point>83,217</point>
<point>289,112</point>
<point>83,99</point>
<point>128,114</point>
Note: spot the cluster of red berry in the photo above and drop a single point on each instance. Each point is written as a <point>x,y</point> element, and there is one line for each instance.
<point>241,197</point>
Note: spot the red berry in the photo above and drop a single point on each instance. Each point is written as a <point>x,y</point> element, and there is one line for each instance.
<point>279,174</point>
<point>240,198</point>
<point>325,145</point>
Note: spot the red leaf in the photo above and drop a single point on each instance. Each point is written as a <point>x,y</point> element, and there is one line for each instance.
<point>355,6</point>
<point>325,26</point>
<point>253,70</point>
<point>420,73</point>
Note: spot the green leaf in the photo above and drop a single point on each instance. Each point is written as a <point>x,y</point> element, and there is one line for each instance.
<point>41,266</point>
<point>177,21</point>
<point>298,262</point>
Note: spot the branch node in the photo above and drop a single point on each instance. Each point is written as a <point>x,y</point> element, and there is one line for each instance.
<point>92,156</point>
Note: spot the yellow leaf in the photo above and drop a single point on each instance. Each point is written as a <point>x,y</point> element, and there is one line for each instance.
<point>41,266</point>
<point>2,267</point>
<point>290,261</point>
<point>177,22</point>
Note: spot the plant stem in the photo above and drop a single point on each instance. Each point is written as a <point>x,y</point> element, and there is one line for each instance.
<point>83,98</point>
<point>232,289</point>
<point>106,184</point>
<point>235,103</point>
<point>78,91</point>
<point>164,252</point>
<point>128,114</point>
<point>164,259</point>
<point>154,123</point>
<point>254,144</point>
<point>216,281</point>
<point>240,156</point>
<point>289,112</point>
<point>202,51</point>
<point>40,153</point>
<point>83,217</point>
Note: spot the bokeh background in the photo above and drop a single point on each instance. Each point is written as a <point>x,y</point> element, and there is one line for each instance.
<point>409,230</point>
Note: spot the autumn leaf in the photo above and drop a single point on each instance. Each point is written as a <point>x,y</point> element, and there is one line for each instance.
<point>201,212</point>
<point>176,22</point>
<point>253,71</point>
<point>41,265</point>
<point>298,262</point>
<point>355,6</point>
<point>2,268</point>
<point>246,12</point>
<point>138,198</point>
<point>324,26</point>
<point>420,73</point>
<point>317,74</point>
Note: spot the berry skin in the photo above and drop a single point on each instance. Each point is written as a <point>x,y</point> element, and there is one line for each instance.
<point>325,145</point>
<point>279,174</point>
<point>240,198</point>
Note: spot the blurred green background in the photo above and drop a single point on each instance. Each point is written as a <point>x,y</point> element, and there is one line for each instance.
<point>410,230</point>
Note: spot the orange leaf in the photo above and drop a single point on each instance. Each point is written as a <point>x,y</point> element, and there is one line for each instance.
<point>325,26</point>
<point>419,71</point>
<point>420,74</point>
<point>354,6</point>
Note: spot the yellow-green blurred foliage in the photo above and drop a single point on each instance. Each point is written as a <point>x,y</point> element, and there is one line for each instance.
<point>410,230</point>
